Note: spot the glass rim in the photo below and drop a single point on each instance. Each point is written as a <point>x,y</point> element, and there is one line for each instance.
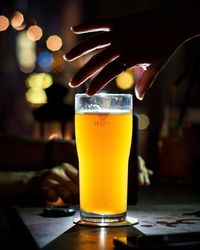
<point>103,94</point>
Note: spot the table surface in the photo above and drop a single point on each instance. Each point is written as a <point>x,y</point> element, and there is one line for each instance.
<point>159,210</point>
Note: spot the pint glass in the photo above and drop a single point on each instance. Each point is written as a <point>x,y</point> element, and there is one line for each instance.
<point>103,130</point>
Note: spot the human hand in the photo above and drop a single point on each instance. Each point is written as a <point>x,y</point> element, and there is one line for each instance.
<point>143,173</point>
<point>59,182</point>
<point>144,39</point>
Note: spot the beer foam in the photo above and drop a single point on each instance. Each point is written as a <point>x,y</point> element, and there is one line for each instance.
<point>104,111</point>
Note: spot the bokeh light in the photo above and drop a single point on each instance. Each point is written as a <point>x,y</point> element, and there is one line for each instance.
<point>17,19</point>
<point>58,62</point>
<point>143,121</point>
<point>36,96</point>
<point>39,80</point>
<point>45,60</point>
<point>34,33</point>
<point>21,27</point>
<point>54,43</point>
<point>36,83</point>
<point>4,23</point>
<point>26,52</point>
<point>125,80</point>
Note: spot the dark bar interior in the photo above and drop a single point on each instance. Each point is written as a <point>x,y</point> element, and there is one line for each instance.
<point>39,165</point>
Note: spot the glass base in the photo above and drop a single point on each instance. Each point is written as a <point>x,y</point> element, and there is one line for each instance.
<point>102,218</point>
<point>128,222</point>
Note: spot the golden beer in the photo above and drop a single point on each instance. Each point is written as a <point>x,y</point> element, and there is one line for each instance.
<point>103,143</point>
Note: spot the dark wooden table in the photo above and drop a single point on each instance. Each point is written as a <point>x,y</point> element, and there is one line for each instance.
<point>160,210</point>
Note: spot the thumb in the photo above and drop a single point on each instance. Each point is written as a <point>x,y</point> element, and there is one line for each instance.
<point>147,79</point>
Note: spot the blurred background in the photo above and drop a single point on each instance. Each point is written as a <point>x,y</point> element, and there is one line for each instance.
<point>35,98</point>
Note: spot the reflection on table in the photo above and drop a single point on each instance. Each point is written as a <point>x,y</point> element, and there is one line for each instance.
<point>160,211</point>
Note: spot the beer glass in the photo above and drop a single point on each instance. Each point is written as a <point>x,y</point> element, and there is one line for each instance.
<point>103,130</point>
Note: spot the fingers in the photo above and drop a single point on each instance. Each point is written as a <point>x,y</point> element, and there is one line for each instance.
<point>65,176</point>
<point>71,172</point>
<point>148,77</point>
<point>107,74</point>
<point>143,173</point>
<point>97,42</point>
<point>91,27</point>
<point>61,182</point>
<point>150,172</point>
<point>56,193</point>
<point>105,25</point>
<point>143,178</point>
<point>92,66</point>
<point>64,193</point>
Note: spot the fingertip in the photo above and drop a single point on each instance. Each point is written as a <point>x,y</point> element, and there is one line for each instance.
<point>67,57</point>
<point>147,182</point>
<point>150,172</point>
<point>90,92</point>
<point>75,30</point>
<point>70,168</point>
<point>64,57</point>
<point>138,95</point>
<point>74,84</point>
<point>70,84</point>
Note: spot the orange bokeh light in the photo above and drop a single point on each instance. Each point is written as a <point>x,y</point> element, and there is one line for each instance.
<point>54,43</point>
<point>4,23</point>
<point>34,33</point>
<point>17,19</point>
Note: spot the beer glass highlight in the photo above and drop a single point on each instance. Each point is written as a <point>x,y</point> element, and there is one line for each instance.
<point>103,127</point>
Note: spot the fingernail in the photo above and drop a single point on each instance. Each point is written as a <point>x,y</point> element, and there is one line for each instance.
<point>89,92</point>
<point>138,96</point>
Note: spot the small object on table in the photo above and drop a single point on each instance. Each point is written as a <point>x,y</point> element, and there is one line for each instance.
<point>58,211</point>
